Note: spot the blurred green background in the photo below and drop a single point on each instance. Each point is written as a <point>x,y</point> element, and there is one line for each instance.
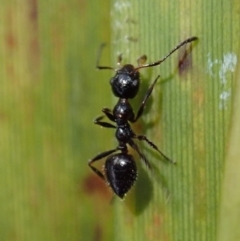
<point>50,93</point>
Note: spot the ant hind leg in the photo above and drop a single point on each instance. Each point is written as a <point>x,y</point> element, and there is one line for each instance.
<point>144,138</point>
<point>136,148</point>
<point>97,158</point>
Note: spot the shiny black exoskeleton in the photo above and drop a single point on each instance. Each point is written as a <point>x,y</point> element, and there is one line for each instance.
<point>126,82</point>
<point>120,170</point>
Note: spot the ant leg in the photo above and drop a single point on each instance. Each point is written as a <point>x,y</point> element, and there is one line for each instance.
<point>142,106</point>
<point>163,59</point>
<point>98,58</point>
<point>144,138</point>
<point>98,121</point>
<point>97,158</point>
<point>135,147</point>
<point>109,114</point>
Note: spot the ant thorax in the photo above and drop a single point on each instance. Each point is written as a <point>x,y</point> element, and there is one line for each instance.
<point>123,110</point>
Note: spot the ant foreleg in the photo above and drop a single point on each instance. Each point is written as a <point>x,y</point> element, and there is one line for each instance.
<point>149,91</point>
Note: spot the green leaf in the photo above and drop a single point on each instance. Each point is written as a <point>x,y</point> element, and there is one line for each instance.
<point>188,117</point>
<point>50,93</point>
<point>230,208</point>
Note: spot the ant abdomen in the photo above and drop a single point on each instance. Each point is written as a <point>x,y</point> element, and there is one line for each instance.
<point>121,173</point>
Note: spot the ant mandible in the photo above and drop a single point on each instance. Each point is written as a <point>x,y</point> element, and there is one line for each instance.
<point>120,170</point>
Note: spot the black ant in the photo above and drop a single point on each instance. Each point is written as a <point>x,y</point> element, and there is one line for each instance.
<point>120,170</point>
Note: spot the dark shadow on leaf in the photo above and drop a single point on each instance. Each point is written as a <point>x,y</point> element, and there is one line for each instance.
<point>143,192</point>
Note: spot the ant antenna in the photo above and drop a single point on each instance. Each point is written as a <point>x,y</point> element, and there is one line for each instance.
<point>98,58</point>
<point>162,60</point>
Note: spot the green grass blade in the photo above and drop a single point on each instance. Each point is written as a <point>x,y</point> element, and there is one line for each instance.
<point>230,208</point>
<point>187,117</point>
<point>49,95</point>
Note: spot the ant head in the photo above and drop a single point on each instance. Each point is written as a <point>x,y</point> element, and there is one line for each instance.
<point>125,84</point>
<point>121,173</point>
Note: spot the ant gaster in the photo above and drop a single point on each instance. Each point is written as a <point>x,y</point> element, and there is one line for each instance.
<point>120,170</point>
